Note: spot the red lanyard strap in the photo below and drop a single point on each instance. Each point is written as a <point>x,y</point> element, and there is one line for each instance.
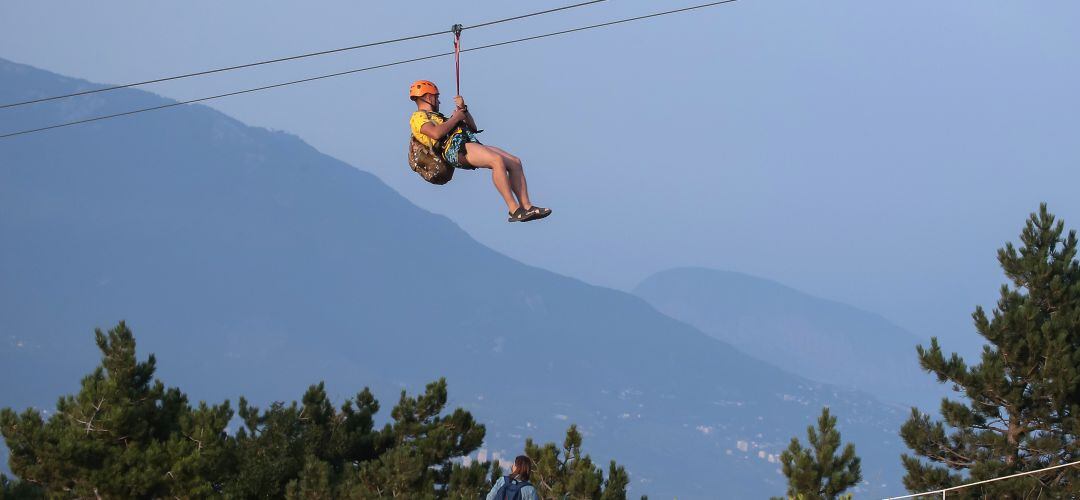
<point>457,55</point>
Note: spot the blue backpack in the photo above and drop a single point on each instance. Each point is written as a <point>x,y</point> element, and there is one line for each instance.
<point>511,489</point>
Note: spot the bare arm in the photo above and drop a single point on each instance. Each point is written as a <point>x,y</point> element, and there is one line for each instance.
<point>437,132</point>
<point>469,121</point>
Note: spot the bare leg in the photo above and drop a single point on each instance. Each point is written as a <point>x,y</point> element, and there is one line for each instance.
<point>517,176</point>
<point>478,155</point>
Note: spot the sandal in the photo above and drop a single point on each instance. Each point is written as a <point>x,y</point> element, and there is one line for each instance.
<point>519,215</point>
<point>539,212</point>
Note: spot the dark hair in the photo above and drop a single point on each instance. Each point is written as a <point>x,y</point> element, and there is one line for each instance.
<point>524,465</point>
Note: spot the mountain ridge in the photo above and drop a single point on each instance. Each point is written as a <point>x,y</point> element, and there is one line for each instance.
<point>252,264</point>
<point>821,339</point>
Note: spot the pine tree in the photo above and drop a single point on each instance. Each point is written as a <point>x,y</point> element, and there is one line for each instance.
<point>816,473</point>
<point>201,454</point>
<point>568,474</point>
<point>302,446</point>
<point>468,482</point>
<point>314,482</point>
<point>422,445</point>
<point>1022,408</point>
<point>123,435</point>
<point>615,484</point>
<point>18,490</point>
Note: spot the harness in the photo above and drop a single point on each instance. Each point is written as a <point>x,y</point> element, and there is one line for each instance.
<point>429,161</point>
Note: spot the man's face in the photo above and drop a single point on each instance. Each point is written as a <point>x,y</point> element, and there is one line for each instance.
<point>433,99</point>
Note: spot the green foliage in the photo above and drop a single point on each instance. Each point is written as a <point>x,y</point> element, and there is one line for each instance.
<point>566,474</point>
<point>124,435</point>
<point>422,443</point>
<point>1022,408</point>
<point>18,490</point>
<point>469,482</point>
<point>816,472</point>
<point>303,447</point>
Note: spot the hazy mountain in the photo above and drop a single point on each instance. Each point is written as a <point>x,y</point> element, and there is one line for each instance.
<point>819,339</point>
<point>252,264</point>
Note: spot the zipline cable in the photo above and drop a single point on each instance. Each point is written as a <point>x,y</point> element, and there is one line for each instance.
<point>369,68</point>
<point>219,96</point>
<point>291,58</point>
<point>968,485</point>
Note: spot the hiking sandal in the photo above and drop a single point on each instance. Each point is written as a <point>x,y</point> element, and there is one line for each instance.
<point>519,215</point>
<point>540,212</point>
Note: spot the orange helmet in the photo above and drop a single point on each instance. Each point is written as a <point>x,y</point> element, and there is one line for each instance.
<point>421,87</point>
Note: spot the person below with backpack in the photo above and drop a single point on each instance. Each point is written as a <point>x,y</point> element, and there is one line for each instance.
<point>516,486</point>
<point>455,139</point>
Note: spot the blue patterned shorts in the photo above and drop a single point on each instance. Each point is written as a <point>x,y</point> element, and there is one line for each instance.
<point>456,147</point>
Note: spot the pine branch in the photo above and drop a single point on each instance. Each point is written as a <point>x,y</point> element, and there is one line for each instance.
<point>89,424</point>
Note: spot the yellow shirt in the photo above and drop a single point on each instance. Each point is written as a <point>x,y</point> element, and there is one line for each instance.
<point>419,118</point>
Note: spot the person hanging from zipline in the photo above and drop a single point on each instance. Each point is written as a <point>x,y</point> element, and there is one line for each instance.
<point>439,145</point>
<point>454,139</point>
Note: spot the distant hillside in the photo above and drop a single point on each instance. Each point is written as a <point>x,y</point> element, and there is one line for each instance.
<point>816,338</point>
<point>253,264</point>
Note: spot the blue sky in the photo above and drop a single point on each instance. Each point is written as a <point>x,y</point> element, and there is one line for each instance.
<point>876,153</point>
